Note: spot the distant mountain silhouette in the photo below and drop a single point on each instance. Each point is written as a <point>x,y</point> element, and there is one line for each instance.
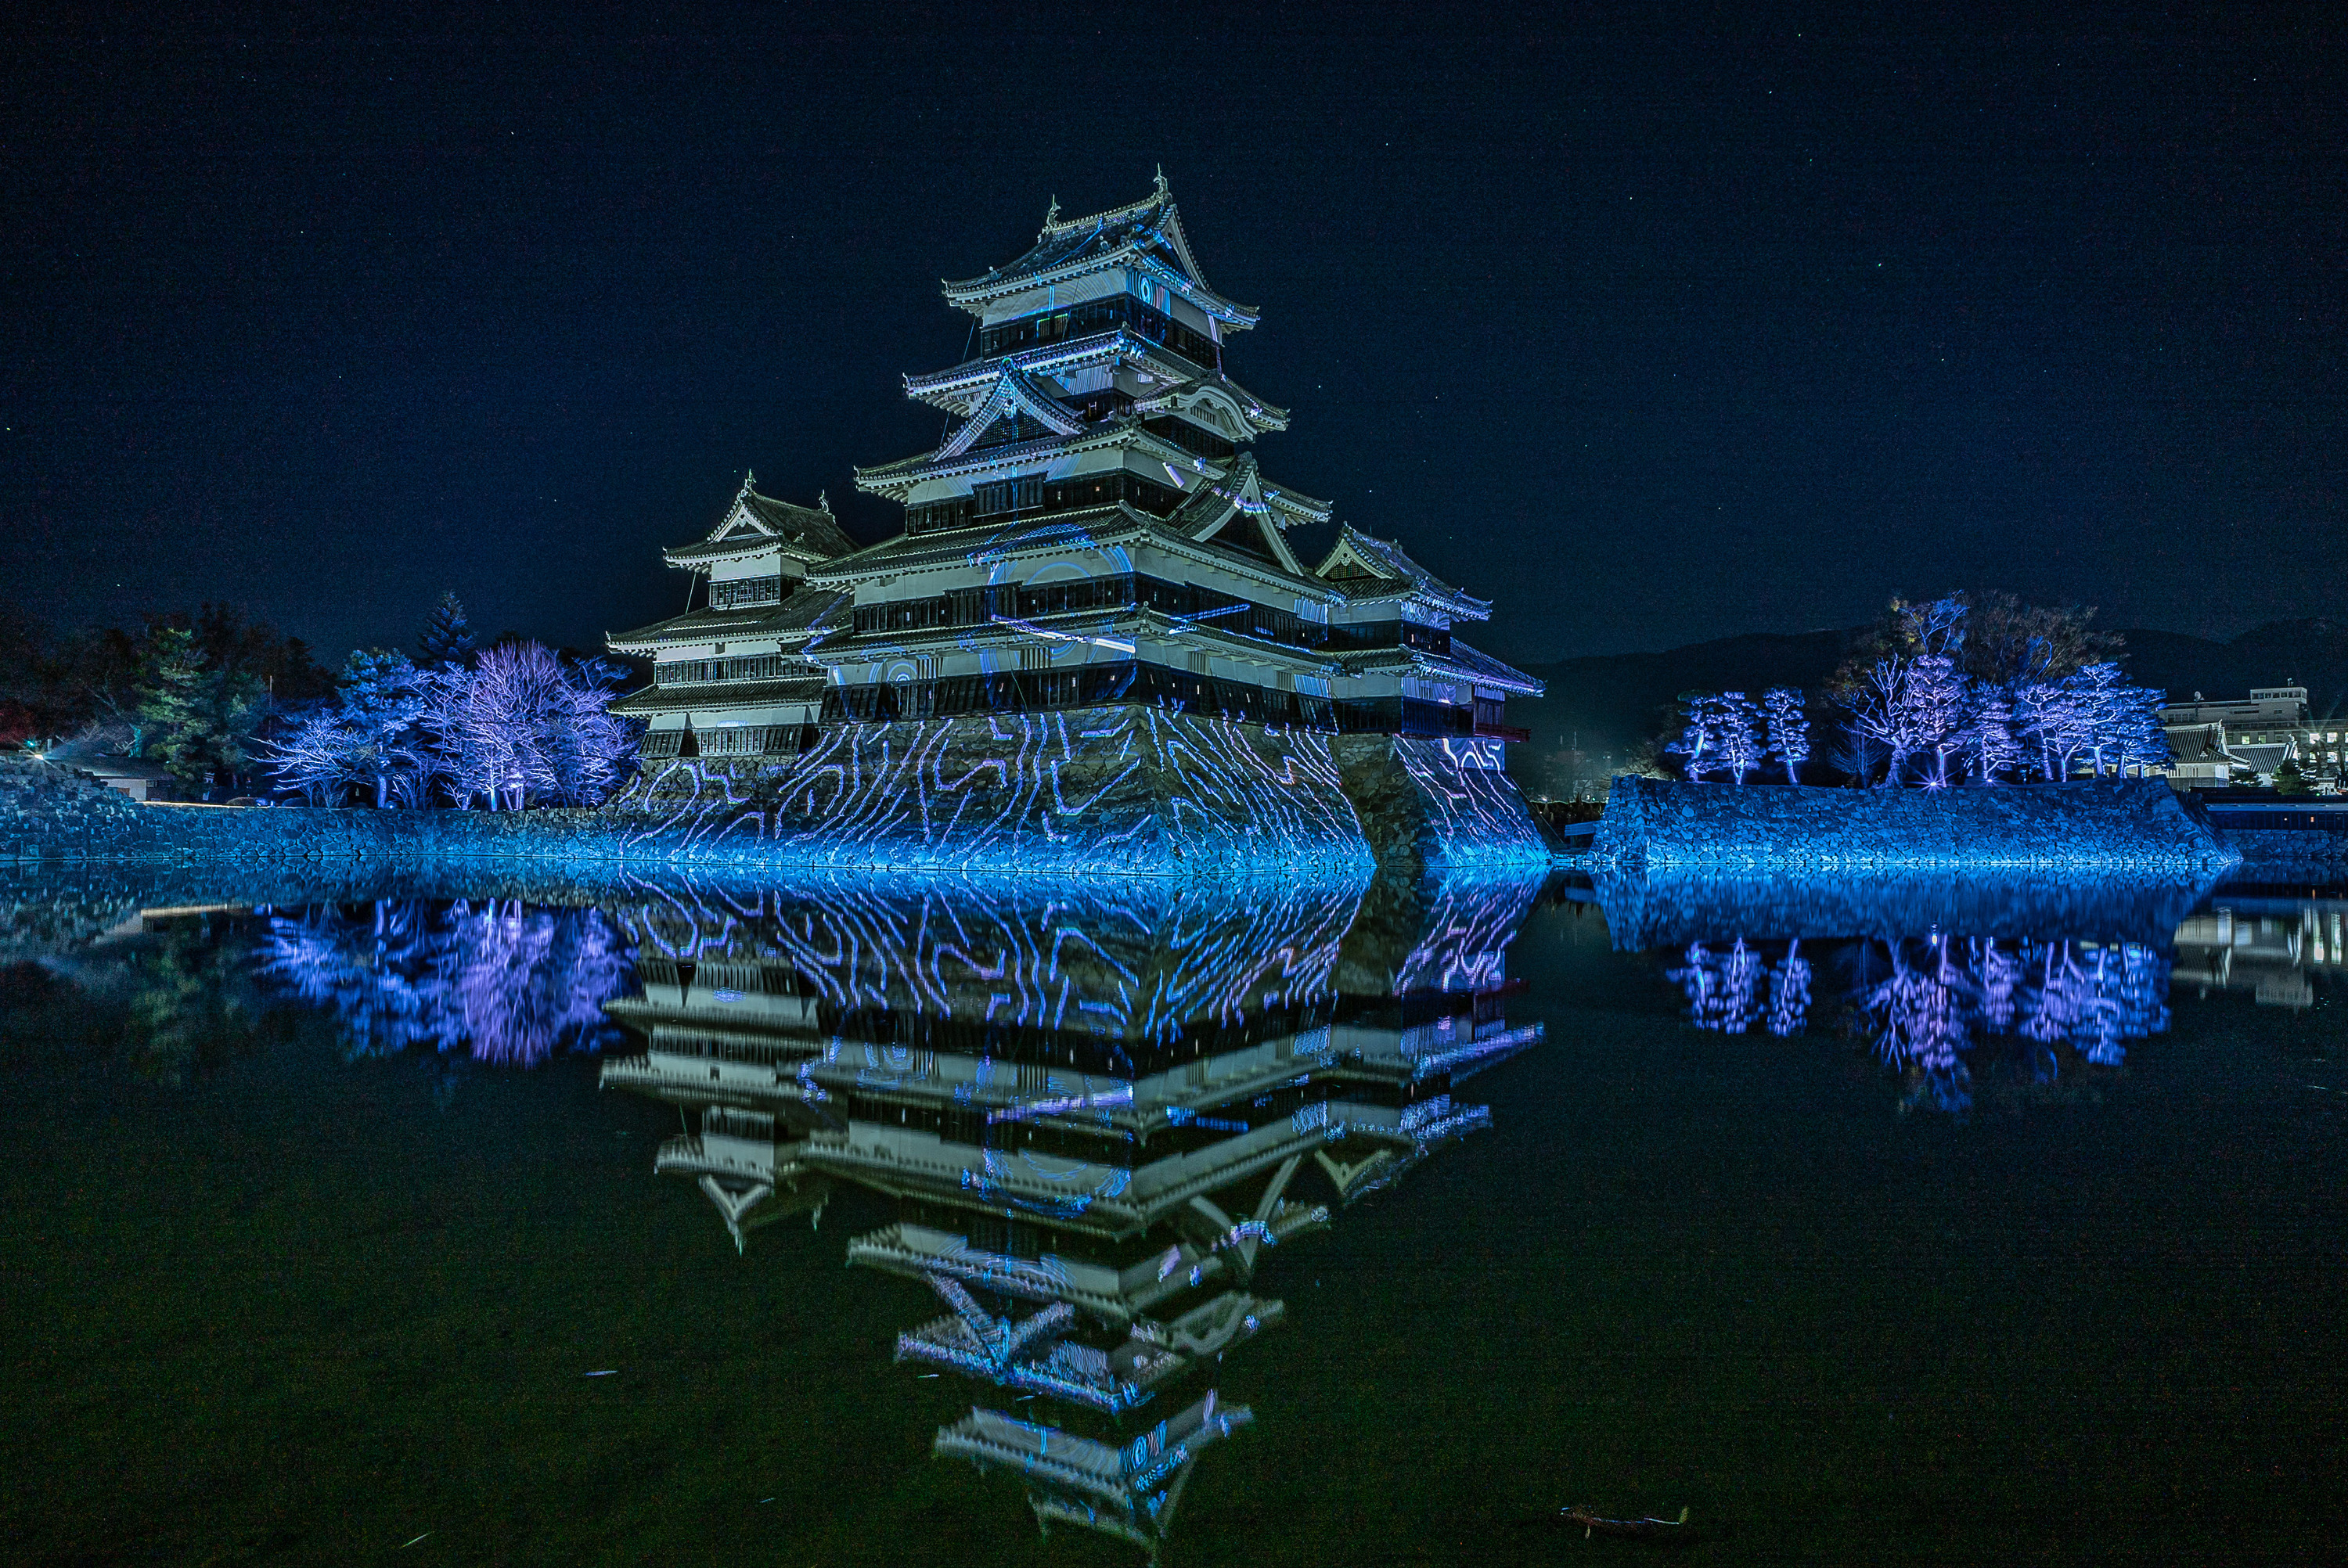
<point>1614,701</point>
<point>2309,653</point>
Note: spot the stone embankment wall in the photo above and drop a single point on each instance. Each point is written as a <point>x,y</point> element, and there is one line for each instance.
<point>1423,808</point>
<point>1124,791</point>
<point>2133,825</point>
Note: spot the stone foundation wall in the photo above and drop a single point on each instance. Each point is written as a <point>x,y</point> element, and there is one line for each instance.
<point>1424,808</point>
<point>1126,789</point>
<point>1122,791</point>
<point>2110,824</point>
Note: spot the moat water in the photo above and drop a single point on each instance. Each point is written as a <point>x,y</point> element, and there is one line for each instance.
<point>1924,1221</point>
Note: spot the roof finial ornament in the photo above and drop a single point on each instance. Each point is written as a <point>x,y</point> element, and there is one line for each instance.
<point>749,479</point>
<point>1052,214</point>
<point>823,502</point>
<point>1161,182</point>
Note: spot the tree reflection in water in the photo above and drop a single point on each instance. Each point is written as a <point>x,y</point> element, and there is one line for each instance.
<point>1933,1006</point>
<point>507,982</point>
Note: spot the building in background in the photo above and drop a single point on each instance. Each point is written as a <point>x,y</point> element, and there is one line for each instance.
<point>2246,741</point>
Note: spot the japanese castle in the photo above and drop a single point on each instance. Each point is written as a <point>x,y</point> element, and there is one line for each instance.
<point>1094,532</point>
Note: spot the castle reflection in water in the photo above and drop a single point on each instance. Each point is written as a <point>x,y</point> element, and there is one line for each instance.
<point>1096,1112</point>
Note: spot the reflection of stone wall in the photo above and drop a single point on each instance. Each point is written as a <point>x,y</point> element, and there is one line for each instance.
<point>1674,907</point>
<point>1145,963</point>
<point>2290,854</point>
<point>2110,824</point>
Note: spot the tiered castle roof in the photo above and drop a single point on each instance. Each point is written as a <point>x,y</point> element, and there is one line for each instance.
<point>1145,236</point>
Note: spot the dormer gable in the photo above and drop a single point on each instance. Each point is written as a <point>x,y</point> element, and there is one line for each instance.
<point>756,525</point>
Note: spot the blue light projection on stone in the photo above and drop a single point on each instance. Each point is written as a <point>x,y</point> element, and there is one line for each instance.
<point>2107,827</point>
<point>1130,789</point>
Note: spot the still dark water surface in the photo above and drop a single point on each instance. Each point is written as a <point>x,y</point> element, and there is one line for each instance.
<point>1311,1224</point>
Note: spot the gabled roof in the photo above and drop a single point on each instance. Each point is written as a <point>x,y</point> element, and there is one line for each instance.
<point>964,385</point>
<point>806,615</point>
<point>1367,567</point>
<point>954,388</point>
<point>1247,514</point>
<point>1239,413</point>
<point>1116,528</point>
<point>895,480</point>
<point>1146,235</point>
<point>1013,394</point>
<point>755,522</point>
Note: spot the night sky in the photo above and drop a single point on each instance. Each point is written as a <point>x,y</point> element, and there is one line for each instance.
<point>1647,335</point>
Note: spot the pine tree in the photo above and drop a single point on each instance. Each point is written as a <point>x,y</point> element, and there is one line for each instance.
<point>196,715</point>
<point>1789,730</point>
<point>1738,735</point>
<point>448,635</point>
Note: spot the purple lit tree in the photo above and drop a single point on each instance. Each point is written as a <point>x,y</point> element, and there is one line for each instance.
<point>1788,729</point>
<point>1934,696</point>
<point>590,747</point>
<point>518,726</point>
<point>1911,707</point>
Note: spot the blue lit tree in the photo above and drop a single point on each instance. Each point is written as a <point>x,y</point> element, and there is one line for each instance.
<point>2046,715</point>
<point>1738,733</point>
<point>382,703</point>
<point>1985,745</point>
<point>447,635</point>
<point>1789,992</point>
<point>2140,739</point>
<point>1699,737</point>
<point>1788,729</point>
